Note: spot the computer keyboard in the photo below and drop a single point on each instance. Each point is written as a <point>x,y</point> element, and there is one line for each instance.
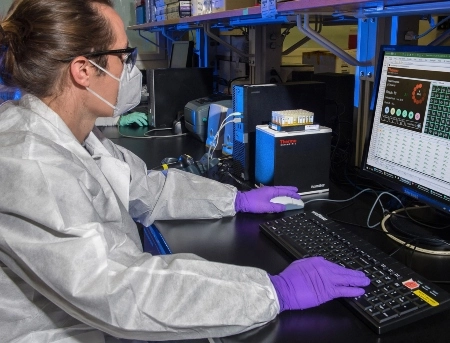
<point>396,296</point>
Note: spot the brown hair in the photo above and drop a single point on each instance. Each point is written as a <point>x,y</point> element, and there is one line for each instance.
<point>37,35</point>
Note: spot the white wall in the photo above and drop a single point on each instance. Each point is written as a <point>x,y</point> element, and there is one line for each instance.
<point>336,34</point>
<point>4,6</point>
<point>126,10</point>
<point>148,53</point>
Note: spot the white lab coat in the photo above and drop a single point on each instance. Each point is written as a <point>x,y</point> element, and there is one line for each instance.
<point>71,263</point>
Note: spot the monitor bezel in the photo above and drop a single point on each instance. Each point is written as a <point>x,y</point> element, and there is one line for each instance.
<point>383,181</point>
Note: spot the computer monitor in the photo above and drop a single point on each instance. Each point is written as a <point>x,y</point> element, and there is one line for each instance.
<point>408,146</point>
<point>181,54</point>
<point>170,89</point>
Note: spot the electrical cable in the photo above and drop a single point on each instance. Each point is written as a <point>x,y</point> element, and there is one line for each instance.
<point>370,213</point>
<point>416,37</point>
<point>419,222</point>
<point>165,136</point>
<point>402,246</point>
<point>235,79</point>
<point>434,241</point>
<point>215,140</point>
<point>427,239</point>
<point>377,200</point>
<point>151,137</point>
<point>238,181</point>
<point>405,240</point>
<point>402,239</point>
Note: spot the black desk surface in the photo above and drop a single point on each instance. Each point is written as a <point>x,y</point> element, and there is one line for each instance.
<point>154,150</point>
<point>238,241</point>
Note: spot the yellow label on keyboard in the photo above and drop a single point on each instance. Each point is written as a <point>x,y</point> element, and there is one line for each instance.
<point>426,298</point>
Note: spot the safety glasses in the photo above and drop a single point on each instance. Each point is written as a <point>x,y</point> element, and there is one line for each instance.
<point>128,55</point>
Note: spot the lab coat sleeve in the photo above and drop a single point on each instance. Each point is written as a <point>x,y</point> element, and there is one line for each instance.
<point>180,195</point>
<point>190,196</point>
<point>60,233</point>
<point>177,195</point>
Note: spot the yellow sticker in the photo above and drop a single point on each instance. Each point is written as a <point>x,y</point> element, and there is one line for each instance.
<point>426,298</point>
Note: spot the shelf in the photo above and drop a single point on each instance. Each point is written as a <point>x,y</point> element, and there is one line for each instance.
<point>354,8</point>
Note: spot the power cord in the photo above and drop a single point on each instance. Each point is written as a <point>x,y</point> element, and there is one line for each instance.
<point>224,122</point>
<point>146,136</point>
<point>230,83</point>
<point>407,210</point>
<point>377,200</point>
<point>423,238</point>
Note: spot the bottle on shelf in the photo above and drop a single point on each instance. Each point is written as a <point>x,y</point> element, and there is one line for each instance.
<point>207,6</point>
<point>150,11</point>
<point>140,11</point>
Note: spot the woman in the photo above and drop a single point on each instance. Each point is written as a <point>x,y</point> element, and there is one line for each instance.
<point>73,269</point>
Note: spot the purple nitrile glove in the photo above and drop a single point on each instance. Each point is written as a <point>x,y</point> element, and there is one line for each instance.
<point>258,200</point>
<point>312,281</point>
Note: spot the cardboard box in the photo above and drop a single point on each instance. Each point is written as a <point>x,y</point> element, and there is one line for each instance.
<point>327,62</point>
<point>181,7</point>
<point>197,7</point>
<point>225,5</point>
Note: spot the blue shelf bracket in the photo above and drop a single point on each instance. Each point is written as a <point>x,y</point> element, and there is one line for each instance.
<point>403,10</point>
<point>367,36</point>
<point>202,47</point>
<point>368,41</point>
<point>245,21</point>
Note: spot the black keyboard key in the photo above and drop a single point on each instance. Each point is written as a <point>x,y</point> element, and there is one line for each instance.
<point>406,308</point>
<point>385,316</point>
<point>363,303</point>
<point>377,282</point>
<point>393,304</point>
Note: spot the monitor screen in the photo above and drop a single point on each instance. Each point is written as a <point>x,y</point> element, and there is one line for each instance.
<point>181,54</point>
<point>408,146</point>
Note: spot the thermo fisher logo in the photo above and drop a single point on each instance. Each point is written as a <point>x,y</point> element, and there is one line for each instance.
<point>320,185</point>
<point>286,142</point>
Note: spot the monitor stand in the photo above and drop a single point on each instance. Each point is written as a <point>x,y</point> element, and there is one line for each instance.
<point>401,228</point>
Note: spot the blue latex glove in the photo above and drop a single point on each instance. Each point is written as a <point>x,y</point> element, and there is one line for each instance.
<point>258,200</point>
<point>312,281</point>
<point>133,118</point>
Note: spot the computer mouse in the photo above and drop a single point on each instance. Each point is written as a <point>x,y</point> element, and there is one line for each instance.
<point>291,203</point>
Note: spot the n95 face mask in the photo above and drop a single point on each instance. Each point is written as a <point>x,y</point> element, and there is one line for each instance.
<point>129,95</point>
